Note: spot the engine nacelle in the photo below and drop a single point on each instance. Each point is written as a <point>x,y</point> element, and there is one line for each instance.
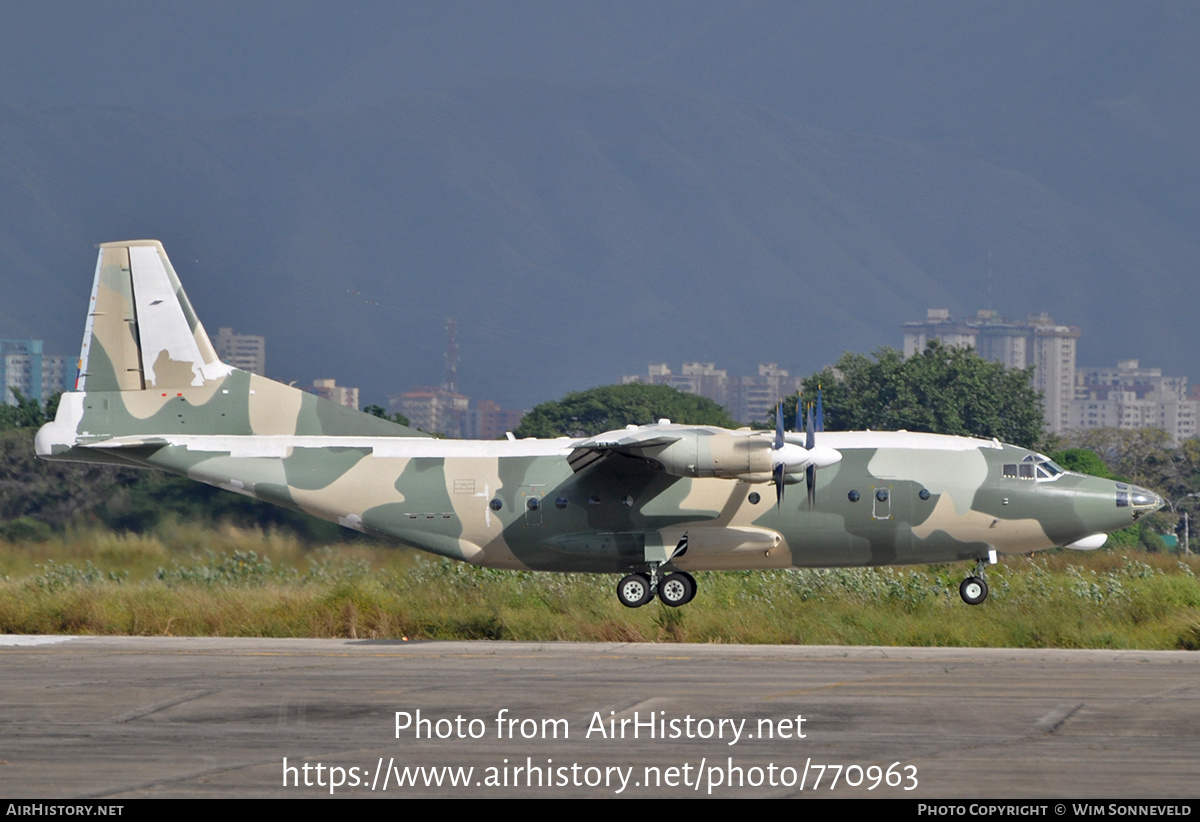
<point>704,452</point>
<point>721,454</point>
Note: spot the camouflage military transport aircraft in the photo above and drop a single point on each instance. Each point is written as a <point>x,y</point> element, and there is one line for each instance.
<point>652,502</point>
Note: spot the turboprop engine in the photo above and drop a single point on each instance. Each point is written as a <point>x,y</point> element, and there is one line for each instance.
<point>749,457</point>
<point>703,451</point>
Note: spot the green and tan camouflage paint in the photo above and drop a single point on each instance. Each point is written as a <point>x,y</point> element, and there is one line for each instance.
<point>153,393</point>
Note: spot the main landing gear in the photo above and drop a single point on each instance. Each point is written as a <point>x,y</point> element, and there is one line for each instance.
<point>674,589</point>
<point>973,589</point>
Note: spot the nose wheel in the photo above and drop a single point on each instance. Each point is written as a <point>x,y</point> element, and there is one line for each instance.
<point>973,590</point>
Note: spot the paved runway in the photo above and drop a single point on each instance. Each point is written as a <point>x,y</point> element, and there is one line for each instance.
<point>106,717</point>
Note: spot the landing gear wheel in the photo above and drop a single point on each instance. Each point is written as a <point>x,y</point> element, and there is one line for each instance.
<point>634,591</point>
<point>973,590</point>
<point>677,589</point>
<point>695,587</point>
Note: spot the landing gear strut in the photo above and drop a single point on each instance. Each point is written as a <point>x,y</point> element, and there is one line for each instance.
<point>674,590</point>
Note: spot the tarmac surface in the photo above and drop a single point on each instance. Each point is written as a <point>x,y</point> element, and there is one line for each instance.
<point>118,717</point>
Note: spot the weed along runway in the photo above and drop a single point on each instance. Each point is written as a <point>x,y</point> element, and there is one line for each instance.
<point>116,717</point>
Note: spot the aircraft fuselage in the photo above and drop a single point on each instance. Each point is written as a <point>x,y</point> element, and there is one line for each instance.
<point>894,498</point>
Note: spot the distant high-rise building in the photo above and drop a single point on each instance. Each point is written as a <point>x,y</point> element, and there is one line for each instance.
<point>434,409</point>
<point>753,398</point>
<point>245,351</point>
<point>747,398</point>
<point>25,368</point>
<point>1130,396</point>
<point>488,421</point>
<point>1053,358</point>
<point>1002,341</point>
<point>330,390</point>
<point>1038,341</point>
<point>939,326</point>
<point>703,378</point>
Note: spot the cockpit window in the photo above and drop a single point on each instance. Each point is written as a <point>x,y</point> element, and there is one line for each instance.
<point>1035,467</point>
<point>1050,468</point>
<point>1047,469</point>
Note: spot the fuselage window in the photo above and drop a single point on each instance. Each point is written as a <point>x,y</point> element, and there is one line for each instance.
<point>1026,470</point>
<point>1010,469</point>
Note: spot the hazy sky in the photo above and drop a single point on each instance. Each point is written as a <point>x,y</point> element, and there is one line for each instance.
<point>590,187</point>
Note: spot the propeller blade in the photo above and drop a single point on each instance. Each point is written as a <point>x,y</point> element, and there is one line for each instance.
<point>810,439</point>
<point>820,411</point>
<point>779,469</point>
<point>791,456</point>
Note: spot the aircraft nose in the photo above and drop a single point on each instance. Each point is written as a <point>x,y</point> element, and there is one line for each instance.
<point>1103,506</point>
<point>1139,499</point>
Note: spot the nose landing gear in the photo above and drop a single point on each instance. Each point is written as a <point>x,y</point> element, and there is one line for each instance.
<point>973,589</point>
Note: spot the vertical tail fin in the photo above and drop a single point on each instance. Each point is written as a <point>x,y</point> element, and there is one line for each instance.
<point>141,330</point>
<point>148,372</point>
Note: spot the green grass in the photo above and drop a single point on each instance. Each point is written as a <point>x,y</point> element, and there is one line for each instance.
<point>193,581</point>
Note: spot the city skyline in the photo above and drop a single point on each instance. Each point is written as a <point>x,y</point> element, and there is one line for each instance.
<point>1128,395</point>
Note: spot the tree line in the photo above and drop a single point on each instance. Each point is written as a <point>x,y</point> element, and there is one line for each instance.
<point>38,497</point>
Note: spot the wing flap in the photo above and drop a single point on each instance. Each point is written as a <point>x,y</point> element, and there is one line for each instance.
<point>590,452</point>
